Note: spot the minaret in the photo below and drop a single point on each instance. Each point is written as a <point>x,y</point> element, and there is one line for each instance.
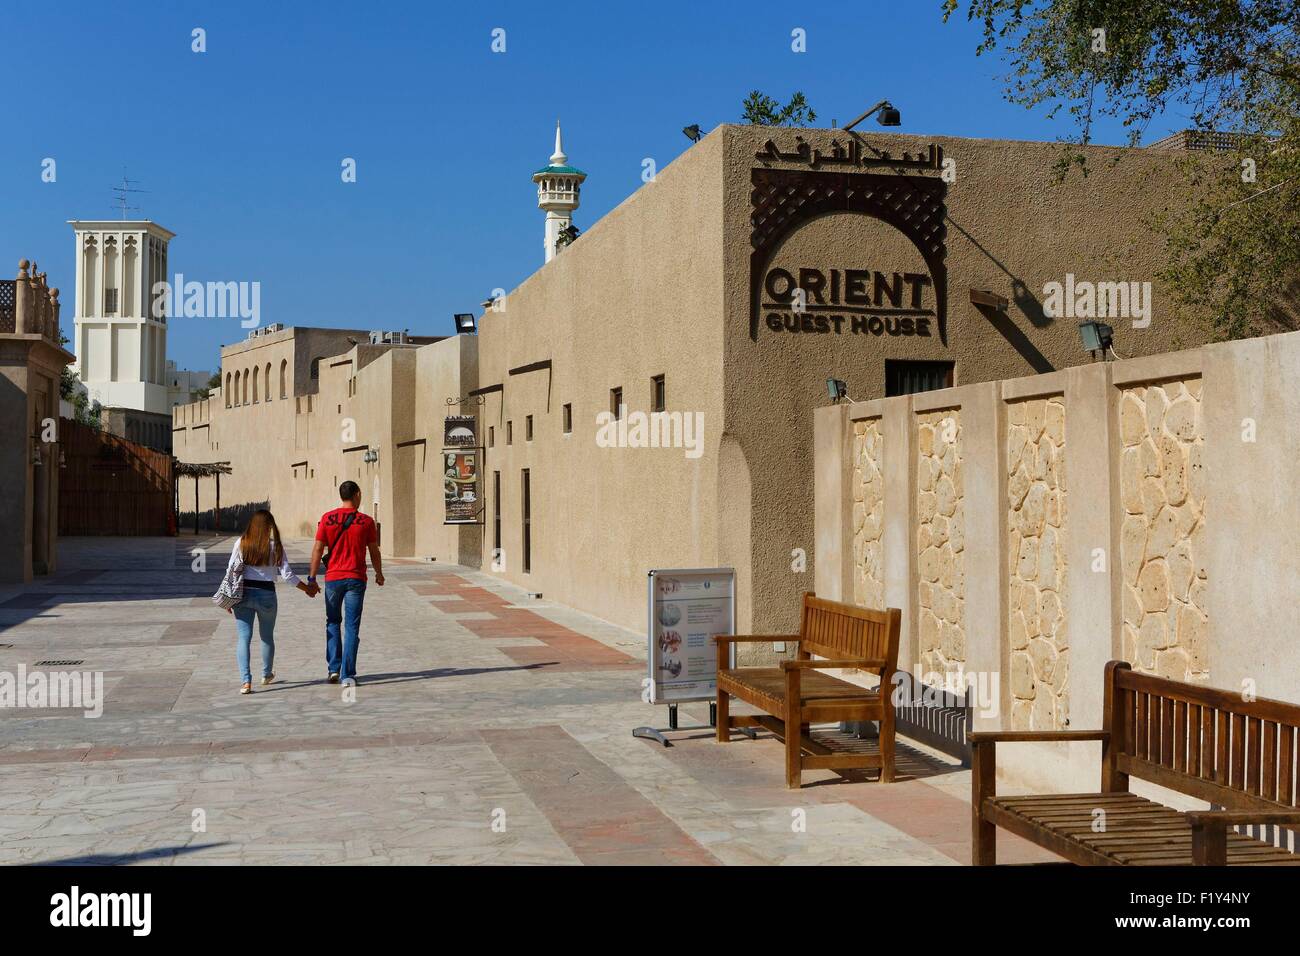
<point>120,338</point>
<point>557,192</point>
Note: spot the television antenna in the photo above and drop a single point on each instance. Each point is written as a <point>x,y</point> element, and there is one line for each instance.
<point>123,195</point>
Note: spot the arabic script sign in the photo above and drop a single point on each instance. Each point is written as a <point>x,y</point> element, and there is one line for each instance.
<point>852,154</point>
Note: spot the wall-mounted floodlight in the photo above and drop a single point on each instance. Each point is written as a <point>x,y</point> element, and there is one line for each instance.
<point>692,132</point>
<point>1096,336</point>
<point>371,455</point>
<point>837,389</point>
<point>465,323</point>
<point>889,116</point>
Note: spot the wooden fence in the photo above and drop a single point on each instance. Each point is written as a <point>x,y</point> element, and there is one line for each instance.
<point>108,485</point>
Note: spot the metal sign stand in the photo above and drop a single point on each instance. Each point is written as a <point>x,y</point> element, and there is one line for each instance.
<point>724,626</point>
<point>650,733</point>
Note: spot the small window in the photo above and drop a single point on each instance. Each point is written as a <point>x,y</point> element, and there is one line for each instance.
<point>616,403</point>
<point>528,428</point>
<point>110,302</point>
<point>658,396</point>
<point>907,377</point>
<point>568,419</point>
<point>492,437</point>
<point>510,433</point>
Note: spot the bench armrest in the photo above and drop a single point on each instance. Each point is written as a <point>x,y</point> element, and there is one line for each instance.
<point>755,638</point>
<point>1234,818</point>
<point>1210,830</point>
<point>827,665</point>
<point>1032,736</point>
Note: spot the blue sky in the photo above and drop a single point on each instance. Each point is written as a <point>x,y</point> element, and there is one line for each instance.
<point>240,147</point>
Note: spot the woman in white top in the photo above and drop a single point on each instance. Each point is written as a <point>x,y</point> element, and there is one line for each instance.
<point>260,558</point>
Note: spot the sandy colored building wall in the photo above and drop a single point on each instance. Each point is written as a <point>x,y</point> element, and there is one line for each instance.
<point>1137,510</point>
<point>1006,227</point>
<point>290,454</point>
<point>31,366</point>
<point>638,295</point>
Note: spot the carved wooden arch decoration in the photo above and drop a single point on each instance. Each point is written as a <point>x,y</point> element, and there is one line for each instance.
<point>784,199</point>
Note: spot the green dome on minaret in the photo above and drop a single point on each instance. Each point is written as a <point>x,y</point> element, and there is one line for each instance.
<point>558,189</point>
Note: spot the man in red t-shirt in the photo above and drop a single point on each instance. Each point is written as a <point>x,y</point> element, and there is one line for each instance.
<point>349,535</point>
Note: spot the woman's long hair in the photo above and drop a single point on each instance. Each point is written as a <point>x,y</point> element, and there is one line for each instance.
<point>256,543</point>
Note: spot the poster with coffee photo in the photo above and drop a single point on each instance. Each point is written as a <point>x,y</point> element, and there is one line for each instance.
<point>460,487</point>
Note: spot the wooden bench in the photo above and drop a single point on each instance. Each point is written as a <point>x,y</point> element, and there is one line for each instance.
<point>797,693</point>
<point>1206,743</point>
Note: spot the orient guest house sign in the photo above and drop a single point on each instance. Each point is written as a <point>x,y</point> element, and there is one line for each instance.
<point>848,301</point>
<point>874,300</point>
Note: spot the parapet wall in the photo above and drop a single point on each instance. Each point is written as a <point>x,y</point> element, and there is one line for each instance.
<point>1033,529</point>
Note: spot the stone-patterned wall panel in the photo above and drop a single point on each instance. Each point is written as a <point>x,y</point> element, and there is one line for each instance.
<point>1162,549</point>
<point>868,515</point>
<point>940,543</point>
<point>1036,521</point>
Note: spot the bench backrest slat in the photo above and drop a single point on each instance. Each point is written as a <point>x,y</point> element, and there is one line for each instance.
<point>835,630</point>
<point>1203,741</point>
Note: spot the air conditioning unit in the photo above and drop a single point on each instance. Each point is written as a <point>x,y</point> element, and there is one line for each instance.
<point>273,327</point>
<point>380,337</point>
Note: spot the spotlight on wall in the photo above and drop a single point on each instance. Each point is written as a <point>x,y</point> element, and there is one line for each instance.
<point>371,455</point>
<point>465,323</point>
<point>1096,337</point>
<point>837,389</point>
<point>692,132</point>
<point>889,116</point>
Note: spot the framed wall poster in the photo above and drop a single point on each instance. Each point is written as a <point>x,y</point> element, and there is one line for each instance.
<point>686,608</point>
<point>460,486</point>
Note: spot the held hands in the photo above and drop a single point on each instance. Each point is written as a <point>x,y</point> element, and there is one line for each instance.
<point>312,589</point>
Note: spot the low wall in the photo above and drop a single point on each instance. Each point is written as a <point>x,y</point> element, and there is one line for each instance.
<point>1033,529</point>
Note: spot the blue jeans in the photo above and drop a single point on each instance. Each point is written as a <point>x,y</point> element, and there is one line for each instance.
<point>343,600</point>
<point>261,604</point>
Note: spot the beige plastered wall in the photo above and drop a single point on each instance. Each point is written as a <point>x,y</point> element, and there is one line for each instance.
<point>291,454</point>
<point>638,295</point>
<point>1010,230</point>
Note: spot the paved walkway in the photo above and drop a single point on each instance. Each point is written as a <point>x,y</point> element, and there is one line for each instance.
<point>488,728</point>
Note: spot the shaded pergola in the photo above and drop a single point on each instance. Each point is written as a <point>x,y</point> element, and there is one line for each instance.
<point>186,469</point>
